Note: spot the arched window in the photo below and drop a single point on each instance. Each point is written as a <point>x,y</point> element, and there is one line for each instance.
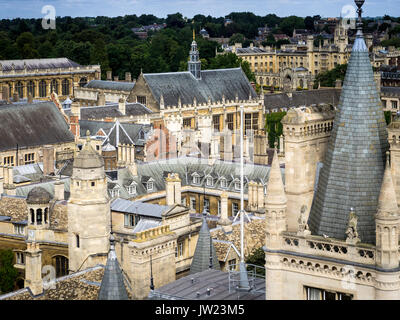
<point>83,82</point>
<point>32,216</point>
<point>77,241</point>
<point>39,216</point>
<point>19,88</point>
<point>31,88</point>
<point>54,86</point>
<point>65,87</point>
<point>42,89</point>
<point>61,265</point>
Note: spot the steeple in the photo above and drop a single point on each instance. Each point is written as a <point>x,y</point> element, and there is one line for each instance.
<point>112,285</point>
<point>204,250</point>
<point>387,204</point>
<point>354,163</point>
<point>194,64</point>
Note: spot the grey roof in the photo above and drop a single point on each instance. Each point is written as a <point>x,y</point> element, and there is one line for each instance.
<point>213,84</point>
<point>112,285</point>
<point>391,91</point>
<point>301,98</point>
<point>250,50</point>
<point>188,288</point>
<point>24,125</point>
<point>5,218</point>
<point>355,159</point>
<point>112,111</point>
<point>32,64</point>
<point>204,249</point>
<point>38,195</point>
<point>145,224</point>
<point>139,208</point>
<point>111,85</point>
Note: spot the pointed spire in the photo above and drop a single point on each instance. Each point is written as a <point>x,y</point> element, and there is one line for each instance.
<point>194,35</point>
<point>387,203</point>
<point>204,249</point>
<point>112,285</point>
<point>275,188</point>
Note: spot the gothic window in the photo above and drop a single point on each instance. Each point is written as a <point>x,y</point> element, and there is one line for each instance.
<point>42,89</point>
<point>54,86</point>
<point>65,87</point>
<point>83,82</point>
<point>19,88</point>
<point>31,88</point>
<point>61,264</point>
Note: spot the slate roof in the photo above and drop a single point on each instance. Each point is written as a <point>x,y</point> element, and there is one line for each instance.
<point>204,249</point>
<point>213,84</point>
<point>301,98</point>
<point>194,287</point>
<point>355,159</point>
<point>390,91</point>
<point>110,85</point>
<point>112,111</point>
<point>23,125</point>
<point>32,64</point>
<point>140,208</point>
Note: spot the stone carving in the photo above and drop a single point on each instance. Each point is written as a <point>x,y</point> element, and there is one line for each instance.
<point>303,226</point>
<point>351,232</point>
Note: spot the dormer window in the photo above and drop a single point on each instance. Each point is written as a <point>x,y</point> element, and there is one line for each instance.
<point>210,181</point>
<point>131,189</point>
<point>141,135</point>
<point>223,183</point>
<point>150,186</point>
<point>196,178</point>
<point>115,193</point>
<point>237,186</point>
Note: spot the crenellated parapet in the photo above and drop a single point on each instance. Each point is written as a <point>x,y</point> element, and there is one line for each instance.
<point>152,233</point>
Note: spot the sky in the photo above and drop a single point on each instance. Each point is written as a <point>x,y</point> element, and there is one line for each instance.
<point>189,8</point>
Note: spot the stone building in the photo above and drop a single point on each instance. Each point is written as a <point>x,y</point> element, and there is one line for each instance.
<point>347,246</point>
<point>40,77</point>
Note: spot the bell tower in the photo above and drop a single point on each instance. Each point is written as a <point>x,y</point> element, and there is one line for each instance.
<point>89,217</point>
<point>194,64</point>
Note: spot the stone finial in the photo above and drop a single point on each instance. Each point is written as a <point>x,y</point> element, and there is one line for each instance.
<point>275,188</point>
<point>351,231</point>
<point>303,226</point>
<point>387,202</point>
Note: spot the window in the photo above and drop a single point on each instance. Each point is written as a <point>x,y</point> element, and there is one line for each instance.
<point>150,186</point>
<point>187,122</point>
<point>31,88</point>
<point>141,99</point>
<point>8,160</point>
<point>232,265</point>
<point>394,104</point>
<point>180,249</point>
<point>131,220</point>
<point>42,89</point>
<point>183,202</point>
<point>237,186</point>
<point>209,181</point>
<point>196,179</point>
<point>223,183</point>
<point>193,203</point>
<point>216,122</point>
<point>115,193</point>
<point>19,229</point>
<point>29,158</point>
<point>229,121</point>
<point>93,183</point>
<point>131,189</point>
<point>321,294</point>
<point>20,258</point>
<point>54,86</point>
<point>247,121</point>
<point>39,216</point>
<point>61,264</point>
<point>206,205</point>
<point>235,208</point>
<point>19,88</point>
<point>65,87</point>
<point>219,207</point>
<point>77,240</point>
<point>83,82</point>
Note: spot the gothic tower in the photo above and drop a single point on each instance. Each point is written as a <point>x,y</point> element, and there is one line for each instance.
<point>194,64</point>
<point>89,220</point>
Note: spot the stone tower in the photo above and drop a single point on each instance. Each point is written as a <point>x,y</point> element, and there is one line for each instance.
<point>194,64</point>
<point>89,220</point>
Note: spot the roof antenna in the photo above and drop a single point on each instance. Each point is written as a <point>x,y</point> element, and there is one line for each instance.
<point>151,274</point>
<point>211,257</point>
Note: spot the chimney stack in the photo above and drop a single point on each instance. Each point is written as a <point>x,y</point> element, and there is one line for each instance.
<point>48,160</point>
<point>59,191</point>
<point>116,78</point>
<point>101,99</point>
<point>128,77</point>
<point>109,75</point>
<point>122,105</point>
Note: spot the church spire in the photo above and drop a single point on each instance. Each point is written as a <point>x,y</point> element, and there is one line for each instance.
<point>194,64</point>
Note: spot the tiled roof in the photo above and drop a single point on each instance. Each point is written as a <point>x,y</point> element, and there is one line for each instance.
<point>112,111</point>
<point>31,64</point>
<point>111,85</point>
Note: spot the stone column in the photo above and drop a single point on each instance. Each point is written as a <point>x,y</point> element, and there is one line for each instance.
<point>33,268</point>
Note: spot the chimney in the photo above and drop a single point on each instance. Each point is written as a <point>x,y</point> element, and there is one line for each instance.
<point>338,83</point>
<point>122,105</point>
<point>173,189</point>
<point>48,160</point>
<point>109,75</point>
<point>224,220</point>
<point>116,78</point>
<point>33,268</point>
<point>59,191</point>
<point>128,77</point>
<point>101,99</point>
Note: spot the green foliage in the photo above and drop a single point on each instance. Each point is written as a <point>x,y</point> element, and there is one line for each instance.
<point>8,274</point>
<point>236,38</point>
<point>274,127</point>
<point>388,117</point>
<point>231,60</point>
<point>290,23</point>
<point>328,78</point>
<point>257,257</point>
<point>391,42</point>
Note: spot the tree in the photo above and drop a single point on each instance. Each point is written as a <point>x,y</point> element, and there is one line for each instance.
<point>309,23</point>
<point>231,60</point>
<point>236,38</point>
<point>175,20</point>
<point>290,23</point>
<point>8,274</point>
<point>257,257</point>
<point>274,127</point>
<point>328,78</point>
